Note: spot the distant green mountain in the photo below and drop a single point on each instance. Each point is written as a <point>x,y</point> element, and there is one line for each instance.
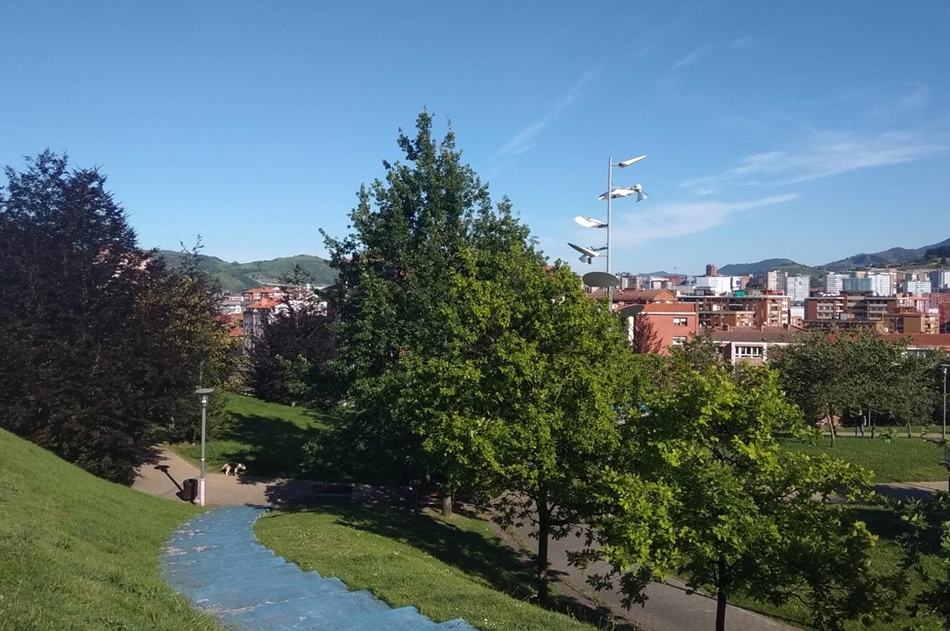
<point>236,277</point>
<point>895,257</point>
<point>783,265</point>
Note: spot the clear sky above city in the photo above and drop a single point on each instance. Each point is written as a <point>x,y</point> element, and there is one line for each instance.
<point>809,130</point>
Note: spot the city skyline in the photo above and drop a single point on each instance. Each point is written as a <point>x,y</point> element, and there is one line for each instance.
<point>798,132</point>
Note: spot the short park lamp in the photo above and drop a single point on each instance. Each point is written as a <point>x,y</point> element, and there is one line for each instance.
<point>203,393</point>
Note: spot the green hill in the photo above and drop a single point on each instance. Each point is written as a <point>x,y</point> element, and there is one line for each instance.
<point>784,265</point>
<point>235,277</point>
<point>894,257</point>
<point>77,552</point>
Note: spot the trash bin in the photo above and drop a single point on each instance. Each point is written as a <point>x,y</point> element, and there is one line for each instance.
<point>189,490</point>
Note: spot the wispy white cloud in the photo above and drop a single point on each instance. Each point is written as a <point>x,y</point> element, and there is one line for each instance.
<point>914,98</point>
<point>822,155</point>
<point>677,219</point>
<point>527,137</point>
<point>690,58</point>
<point>740,43</point>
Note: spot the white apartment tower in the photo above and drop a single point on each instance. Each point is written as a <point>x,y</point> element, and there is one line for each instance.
<point>798,288</point>
<point>834,283</point>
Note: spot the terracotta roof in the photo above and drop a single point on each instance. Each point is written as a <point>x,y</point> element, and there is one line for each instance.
<point>772,335</point>
<point>674,307</point>
<point>638,295</point>
<point>931,340</point>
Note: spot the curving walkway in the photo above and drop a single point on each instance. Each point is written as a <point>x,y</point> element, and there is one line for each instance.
<point>216,561</point>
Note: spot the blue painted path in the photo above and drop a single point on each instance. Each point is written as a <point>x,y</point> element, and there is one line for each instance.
<point>216,561</point>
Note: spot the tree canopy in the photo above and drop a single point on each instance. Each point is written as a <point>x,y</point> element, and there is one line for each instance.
<point>104,345</point>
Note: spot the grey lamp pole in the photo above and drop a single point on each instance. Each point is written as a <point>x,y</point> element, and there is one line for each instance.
<point>943,429</point>
<point>610,189</point>
<point>203,393</point>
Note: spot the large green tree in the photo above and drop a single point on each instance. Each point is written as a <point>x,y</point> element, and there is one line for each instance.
<point>102,344</point>
<point>394,271</point>
<point>702,489</point>
<point>520,402</point>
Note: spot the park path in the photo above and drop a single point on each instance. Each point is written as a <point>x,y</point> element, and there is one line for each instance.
<point>669,608</point>
<point>165,476</point>
<point>216,562</point>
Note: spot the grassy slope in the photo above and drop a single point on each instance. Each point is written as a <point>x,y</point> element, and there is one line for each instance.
<point>80,553</point>
<point>901,460</point>
<point>448,569</point>
<point>267,437</point>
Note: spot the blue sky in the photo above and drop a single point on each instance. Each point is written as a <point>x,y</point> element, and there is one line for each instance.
<point>809,130</point>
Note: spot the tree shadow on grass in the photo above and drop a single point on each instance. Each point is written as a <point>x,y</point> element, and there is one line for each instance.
<point>485,558</point>
<point>271,446</point>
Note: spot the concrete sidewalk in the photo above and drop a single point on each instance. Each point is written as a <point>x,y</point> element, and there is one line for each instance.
<point>165,477</point>
<point>669,606</point>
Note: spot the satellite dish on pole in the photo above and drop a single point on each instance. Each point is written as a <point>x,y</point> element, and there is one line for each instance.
<point>600,279</point>
<point>590,222</point>
<point>630,311</point>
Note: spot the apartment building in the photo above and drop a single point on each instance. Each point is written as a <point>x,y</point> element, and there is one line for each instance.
<point>757,310</point>
<point>852,309</point>
<point>752,346</point>
<point>834,283</point>
<point>910,320</point>
<point>916,287</point>
<point>939,279</point>
<point>798,288</point>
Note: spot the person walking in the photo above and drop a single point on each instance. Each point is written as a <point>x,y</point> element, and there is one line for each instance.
<point>860,424</point>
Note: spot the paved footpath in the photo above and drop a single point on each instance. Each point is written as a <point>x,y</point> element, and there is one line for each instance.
<point>216,561</point>
<point>164,478</point>
<point>669,608</point>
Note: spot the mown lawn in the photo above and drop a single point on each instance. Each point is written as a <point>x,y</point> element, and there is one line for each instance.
<point>267,437</point>
<point>448,569</point>
<point>901,460</point>
<point>80,553</point>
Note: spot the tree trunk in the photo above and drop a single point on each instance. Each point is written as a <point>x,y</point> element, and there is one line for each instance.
<point>831,426</point>
<point>721,596</point>
<point>544,526</point>
<point>908,430</point>
<point>447,501</point>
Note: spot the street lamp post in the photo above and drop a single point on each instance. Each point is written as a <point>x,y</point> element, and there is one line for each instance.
<point>587,222</point>
<point>943,429</point>
<point>203,393</point>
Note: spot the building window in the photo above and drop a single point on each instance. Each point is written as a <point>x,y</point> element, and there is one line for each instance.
<point>679,340</point>
<point>748,351</point>
<point>679,321</point>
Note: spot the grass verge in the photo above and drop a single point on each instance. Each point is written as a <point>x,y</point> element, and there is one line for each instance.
<point>449,569</point>
<point>901,460</point>
<point>77,552</point>
<point>267,437</point>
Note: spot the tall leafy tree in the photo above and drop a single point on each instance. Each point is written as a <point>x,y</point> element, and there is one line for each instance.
<point>394,271</point>
<point>729,508</point>
<point>96,358</point>
<point>520,401</point>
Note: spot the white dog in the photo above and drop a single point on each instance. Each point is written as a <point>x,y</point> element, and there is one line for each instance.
<point>233,469</point>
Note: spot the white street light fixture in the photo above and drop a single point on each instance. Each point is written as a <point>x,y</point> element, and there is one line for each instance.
<point>626,163</point>
<point>625,191</point>
<point>590,222</point>
<point>203,393</point>
<point>589,253</point>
